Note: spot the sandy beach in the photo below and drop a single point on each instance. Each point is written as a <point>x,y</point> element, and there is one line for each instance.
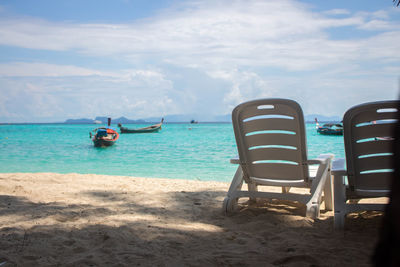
<point>50,219</point>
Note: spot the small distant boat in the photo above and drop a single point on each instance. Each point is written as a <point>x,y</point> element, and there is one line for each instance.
<point>104,136</point>
<point>149,129</point>
<point>329,128</point>
<point>193,122</point>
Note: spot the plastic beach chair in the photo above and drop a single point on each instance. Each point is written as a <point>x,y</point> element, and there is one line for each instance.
<point>369,146</point>
<point>271,142</point>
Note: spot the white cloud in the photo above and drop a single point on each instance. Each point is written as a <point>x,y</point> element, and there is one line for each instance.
<point>380,14</point>
<point>132,93</point>
<point>200,30</point>
<point>377,24</point>
<point>43,69</point>
<point>244,86</point>
<point>203,33</point>
<point>337,12</point>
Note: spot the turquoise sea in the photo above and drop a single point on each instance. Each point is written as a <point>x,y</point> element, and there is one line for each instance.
<point>187,151</point>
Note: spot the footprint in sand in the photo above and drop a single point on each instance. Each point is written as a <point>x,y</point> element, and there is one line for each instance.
<point>18,189</point>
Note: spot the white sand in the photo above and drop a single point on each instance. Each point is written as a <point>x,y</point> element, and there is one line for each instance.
<point>52,219</point>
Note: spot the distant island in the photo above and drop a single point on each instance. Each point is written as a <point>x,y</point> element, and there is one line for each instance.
<point>103,120</point>
<point>185,119</point>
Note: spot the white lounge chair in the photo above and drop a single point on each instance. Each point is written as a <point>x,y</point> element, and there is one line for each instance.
<point>369,143</point>
<point>271,141</point>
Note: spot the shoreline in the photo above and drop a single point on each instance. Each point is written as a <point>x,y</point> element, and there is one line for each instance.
<point>116,175</point>
<point>74,219</point>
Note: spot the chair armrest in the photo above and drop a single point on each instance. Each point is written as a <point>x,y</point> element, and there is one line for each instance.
<point>235,160</point>
<point>316,161</point>
<point>338,167</point>
<point>322,159</point>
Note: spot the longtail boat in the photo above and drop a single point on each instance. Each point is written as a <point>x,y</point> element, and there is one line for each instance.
<point>329,128</point>
<point>149,129</point>
<point>104,136</point>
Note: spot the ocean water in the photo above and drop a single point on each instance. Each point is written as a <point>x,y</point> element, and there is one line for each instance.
<point>185,151</point>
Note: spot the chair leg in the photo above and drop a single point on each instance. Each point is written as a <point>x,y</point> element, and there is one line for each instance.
<point>229,204</point>
<point>340,202</point>
<point>252,188</point>
<point>328,193</point>
<point>339,220</point>
<point>312,210</point>
<point>230,201</point>
<point>317,186</point>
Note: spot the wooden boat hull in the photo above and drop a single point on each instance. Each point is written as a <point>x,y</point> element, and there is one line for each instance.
<point>102,143</point>
<point>327,131</point>
<point>150,129</point>
<point>329,128</point>
<point>142,130</point>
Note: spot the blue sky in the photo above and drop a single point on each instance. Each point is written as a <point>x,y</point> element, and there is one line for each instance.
<point>139,59</point>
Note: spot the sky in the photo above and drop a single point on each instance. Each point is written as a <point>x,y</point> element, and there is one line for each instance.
<point>140,59</point>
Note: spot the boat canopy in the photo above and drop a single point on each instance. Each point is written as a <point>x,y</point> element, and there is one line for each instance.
<point>101,132</point>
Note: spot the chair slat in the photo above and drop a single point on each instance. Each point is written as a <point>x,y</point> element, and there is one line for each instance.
<point>374,163</point>
<point>271,139</point>
<point>373,130</point>
<point>373,181</point>
<point>278,109</point>
<point>275,154</point>
<point>276,171</point>
<point>270,124</point>
<point>373,147</point>
<point>373,115</point>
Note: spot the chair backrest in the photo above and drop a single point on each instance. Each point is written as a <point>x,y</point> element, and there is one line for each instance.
<point>369,144</point>
<point>271,139</point>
